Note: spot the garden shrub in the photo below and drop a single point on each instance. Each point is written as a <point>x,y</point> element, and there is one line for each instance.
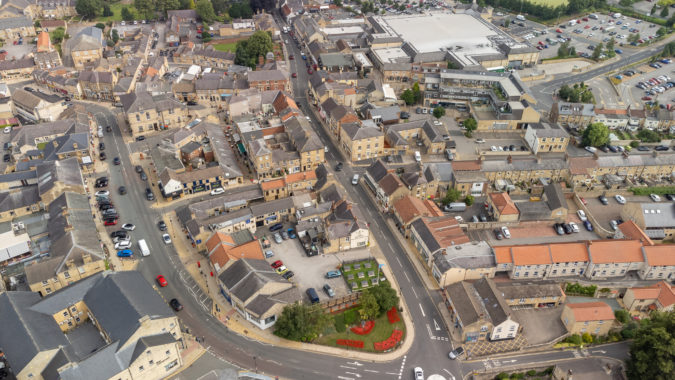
<point>349,317</point>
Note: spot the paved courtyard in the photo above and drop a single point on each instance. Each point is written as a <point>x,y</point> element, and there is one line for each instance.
<point>484,348</point>
<point>540,325</point>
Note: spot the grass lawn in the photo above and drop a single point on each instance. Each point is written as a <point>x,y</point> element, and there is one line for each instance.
<point>553,3</point>
<point>355,276</point>
<point>381,331</point>
<point>231,47</point>
<point>116,9</point>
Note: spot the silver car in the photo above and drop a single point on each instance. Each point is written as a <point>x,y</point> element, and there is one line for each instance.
<point>277,238</point>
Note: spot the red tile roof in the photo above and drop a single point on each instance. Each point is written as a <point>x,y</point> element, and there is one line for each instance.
<point>503,203</point>
<point>660,255</point>
<point>221,249</point>
<point>273,184</point>
<point>531,255</point>
<point>410,207</point>
<point>591,311</point>
<point>667,294</point>
<point>631,231</point>
<point>615,251</point>
<point>569,252</point>
<point>446,231</point>
<point>580,165</point>
<point>503,255</point>
<point>648,293</point>
<point>465,165</point>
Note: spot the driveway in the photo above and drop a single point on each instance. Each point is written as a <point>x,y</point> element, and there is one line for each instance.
<point>540,325</point>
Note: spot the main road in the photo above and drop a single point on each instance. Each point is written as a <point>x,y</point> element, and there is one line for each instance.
<point>430,346</point>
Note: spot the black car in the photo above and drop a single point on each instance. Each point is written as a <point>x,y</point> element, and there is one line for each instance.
<point>116,161</point>
<point>100,184</point>
<point>140,138</point>
<point>288,275</point>
<point>102,156</point>
<point>512,148</point>
<point>483,218</point>
<point>276,227</point>
<point>643,148</point>
<point>138,168</point>
<point>101,146</point>
<point>498,234</point>
<point>567,228</point>
<point>144,176</point>
<point>161,225</point>
<point>603,200</point>
<point>175,305</point>
<point>661,148</point>
<point>523,148</point>
<point>28,89</point>
<point>405,115</point>
<point>149,195</point>
<point>338,167</point>
<point>108,128</point>
<point>670,197</point>
<point>119,234</point>
<point>122,190</point>
<point>6,157</point>
<point>559,229</point>
<point>105,207</point>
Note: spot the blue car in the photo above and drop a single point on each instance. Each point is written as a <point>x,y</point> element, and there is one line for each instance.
<point>124,253</point>
<point>291,233</point>
<point>276,227</point>
<point>588,225</point>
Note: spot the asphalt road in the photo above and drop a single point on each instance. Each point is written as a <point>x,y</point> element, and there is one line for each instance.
<point>429,349</point>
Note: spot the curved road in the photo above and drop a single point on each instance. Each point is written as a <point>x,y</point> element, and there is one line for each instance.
<point>430,346</point>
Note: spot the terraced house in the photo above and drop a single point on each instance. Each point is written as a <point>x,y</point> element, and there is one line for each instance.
<point>146,113</point>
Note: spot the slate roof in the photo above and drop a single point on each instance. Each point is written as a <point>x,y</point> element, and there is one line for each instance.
<point>554,196</point>
<point>65,171</point>
<point>15,22</point>
<point>466,306</point>
<point>377,170</point>
<point>493,301</point>
<point>246,277</point>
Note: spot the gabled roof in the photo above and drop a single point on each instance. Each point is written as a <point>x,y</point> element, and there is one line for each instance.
<point>222,248</point>
<point>591,311</point>
<point>246,277</point>
<point>554,196</point>
<point>410,207</point>
<point>493,300</point>
<point>630,230</point>
<point>531,255</point>
<point>615,251</point>
<point>377,170</point>
<point>504,204</point>
<point>660,255</point>
<point>390,183</point>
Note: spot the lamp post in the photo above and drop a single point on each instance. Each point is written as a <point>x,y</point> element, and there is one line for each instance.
<point>255,364</point>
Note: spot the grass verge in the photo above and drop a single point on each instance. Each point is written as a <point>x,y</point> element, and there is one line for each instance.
<point>381,331</point>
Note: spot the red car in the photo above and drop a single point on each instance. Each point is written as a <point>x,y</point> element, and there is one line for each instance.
<point>558,30</point>
<point>291,57</point>
<point>277,264</point>
<point>294,75</point>
<point>110,222</point>
<point>646,98</point>
<point>162,281</point>
<point>582,200</point>
<point>309,71</point>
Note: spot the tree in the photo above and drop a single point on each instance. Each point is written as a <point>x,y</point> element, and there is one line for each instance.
<point>302,322</point>
<point>416,91</point>
<point>127,15</point>
<point>408,97</point>
<point>597,52</point>
<point>661,31</point>
<point>646,135</point>
<point>37,23</point>
<point>338,3</point>
<point>240,10</point>
<point>369,307</point>
<point>247,51</point>
<point>469,200</point>
<point>507,22</point>
<point>622,316</point>
<point>451,196</point>
<point>220,6</point>
<point>610,45</point>
<point>651,354</point>
<point>439,112</point>
<point>470,124</point>
<point>564,50</point>
<point>115,35</point>
<point>596,134</point>
<point>385,296</point>
<point>106,11</point>
<point>587,338</point>
<point>654,8</point>
<point>205,10</point>
<point>57,35</point>
<point>664,12</point>
<point>88,8</point>
<point>100,25</point>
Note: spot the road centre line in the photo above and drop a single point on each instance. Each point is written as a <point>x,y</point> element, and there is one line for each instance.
<point>422,310</point>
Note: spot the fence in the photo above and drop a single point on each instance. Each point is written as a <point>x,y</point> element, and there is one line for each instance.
<point>337,305</point>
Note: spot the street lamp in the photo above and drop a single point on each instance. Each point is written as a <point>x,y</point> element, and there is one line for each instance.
<point>255,364</point>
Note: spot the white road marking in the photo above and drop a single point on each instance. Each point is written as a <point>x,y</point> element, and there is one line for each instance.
<point>406,276</point>
<point>399,262</point>
<point>355,363</point>
<point>390,373</point>
<point>452,377</point>
<point>371,370</point>
<point>436,325</point>
<point>414,292</point>
<point>345,378</point>
<point>352,373</point>
<point>422,310</point>
<point>344,366</point>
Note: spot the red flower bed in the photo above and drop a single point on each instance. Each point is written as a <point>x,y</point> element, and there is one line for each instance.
<point>365,330</point>
<point>350,343</point>
<point>390,342</point>
<point>392,314</point>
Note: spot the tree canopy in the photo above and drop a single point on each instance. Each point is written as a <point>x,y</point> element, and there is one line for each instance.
<point>579,93</point>
<point>89,8</point>
<point>302,322</point>
<point>126,14</point>
<point>408,96</point>
<point>384,295</point>
<point>652,355</point>
<point>240,10</point>
<point>205,10</point>
<point>596,134</point>
<point>248,51</point>
<point>370,309</point>
<point>439,112</point>
<point>470,124</point>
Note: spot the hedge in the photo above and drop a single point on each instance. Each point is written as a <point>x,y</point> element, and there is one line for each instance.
<point>660,190</point>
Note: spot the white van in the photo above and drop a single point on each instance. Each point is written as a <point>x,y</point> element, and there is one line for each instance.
<point>418,156</point>
<point>144,247</point>
<point>520,17</point>
<point>616,15</point>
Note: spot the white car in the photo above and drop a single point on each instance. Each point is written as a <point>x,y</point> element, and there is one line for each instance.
<point>419,373</point>
<point>480,141</point>
<point>620,199</point>
<point>575,227</point>
<point>128,227</point>
<point>166,238</point>
<point>217,191</point>
<point>418,156</point>
<point>493,148</point>
<point>355,180</point>
<point>582,215</point>
<point>506,233</point>
<point>102,193</point>
<point>8,129</point>
<point>123,244</point>
<point>614,224</point>
<point>655,197</point>
<point>123,23</point>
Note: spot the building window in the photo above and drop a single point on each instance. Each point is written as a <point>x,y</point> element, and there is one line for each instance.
<point>65,313</point>
<point>141,368</point>
<point>66,274</point>
<point>45,282</point>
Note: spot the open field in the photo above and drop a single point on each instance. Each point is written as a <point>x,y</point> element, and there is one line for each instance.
<point>116,9</point>
<point>231,47</point>
<point>552,3</point>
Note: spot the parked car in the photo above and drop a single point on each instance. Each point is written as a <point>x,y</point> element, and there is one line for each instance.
<point>161,225</point>
<point>655,197</point>
<point>166,238</point>
<point>277,238</point>
<point>620,199</point>
<point>161,281</point>
<point>291,233</point>
<point>506,232</point>
<point>574,226</point>
<point>498,234</point>
<point>614,224</point>
<point>175,305</point>
<point>100,193</point>
<point>128,227</point>
<point>123,244</point>
<point>329,290</point>
<point>559,229</point>
<point>582,215</point>
<point>603,200</point>
<point>281,270</point>
<point>276,227</point>
<point>333,274</point>
<point>149,194</point>
<point>217,191</point>
<point>124,253</point>
<point>269,254</point>
<point>288,275</point>
<point>588,225</point>
<point>109,222</point>
<point>284,235</point>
